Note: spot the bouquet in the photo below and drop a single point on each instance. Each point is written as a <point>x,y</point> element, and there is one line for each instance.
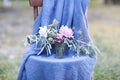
<point>50,35</point>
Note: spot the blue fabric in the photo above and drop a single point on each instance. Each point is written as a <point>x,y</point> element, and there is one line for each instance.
<point>50,68</point>
<point>72,14</point>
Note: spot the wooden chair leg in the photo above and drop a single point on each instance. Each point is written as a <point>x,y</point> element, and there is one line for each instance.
<point>35,12</point>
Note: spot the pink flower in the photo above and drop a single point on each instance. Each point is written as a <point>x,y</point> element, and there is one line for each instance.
<point>58,38</point>
<point>66,32</point>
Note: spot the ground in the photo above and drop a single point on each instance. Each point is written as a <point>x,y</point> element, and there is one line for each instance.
<point>104,27</point>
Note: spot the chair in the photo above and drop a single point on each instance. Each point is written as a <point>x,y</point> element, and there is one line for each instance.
<point>35,4</point>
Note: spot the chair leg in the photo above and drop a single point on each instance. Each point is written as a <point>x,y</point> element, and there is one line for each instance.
<point>35,12</point>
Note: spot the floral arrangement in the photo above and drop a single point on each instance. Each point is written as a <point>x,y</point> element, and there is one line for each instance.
<point>50,35</point>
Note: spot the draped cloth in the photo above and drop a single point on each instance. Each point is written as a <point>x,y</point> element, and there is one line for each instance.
<point>70,13</point>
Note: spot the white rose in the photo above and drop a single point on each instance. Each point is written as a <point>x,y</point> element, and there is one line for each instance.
<point>43,31</point>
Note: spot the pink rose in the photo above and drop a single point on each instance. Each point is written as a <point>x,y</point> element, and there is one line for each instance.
<point>66,32</point>
<point>58,38</point>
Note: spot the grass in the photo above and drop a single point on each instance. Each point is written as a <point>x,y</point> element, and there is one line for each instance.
<point>8,69</point>
<point>107,39</point>
<point>104,29</point>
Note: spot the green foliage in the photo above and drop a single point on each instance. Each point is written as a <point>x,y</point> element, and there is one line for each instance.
<point>92,2</point>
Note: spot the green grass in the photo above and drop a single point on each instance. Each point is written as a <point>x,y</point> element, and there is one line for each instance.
<point>8,69</point>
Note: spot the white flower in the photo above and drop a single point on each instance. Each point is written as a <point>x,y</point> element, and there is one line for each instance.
<point>43,31</point>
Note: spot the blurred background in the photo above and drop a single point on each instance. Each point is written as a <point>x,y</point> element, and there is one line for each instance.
<point>16,21</point>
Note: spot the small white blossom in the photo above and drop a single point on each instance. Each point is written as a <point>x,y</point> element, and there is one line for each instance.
<point>43,31</point>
